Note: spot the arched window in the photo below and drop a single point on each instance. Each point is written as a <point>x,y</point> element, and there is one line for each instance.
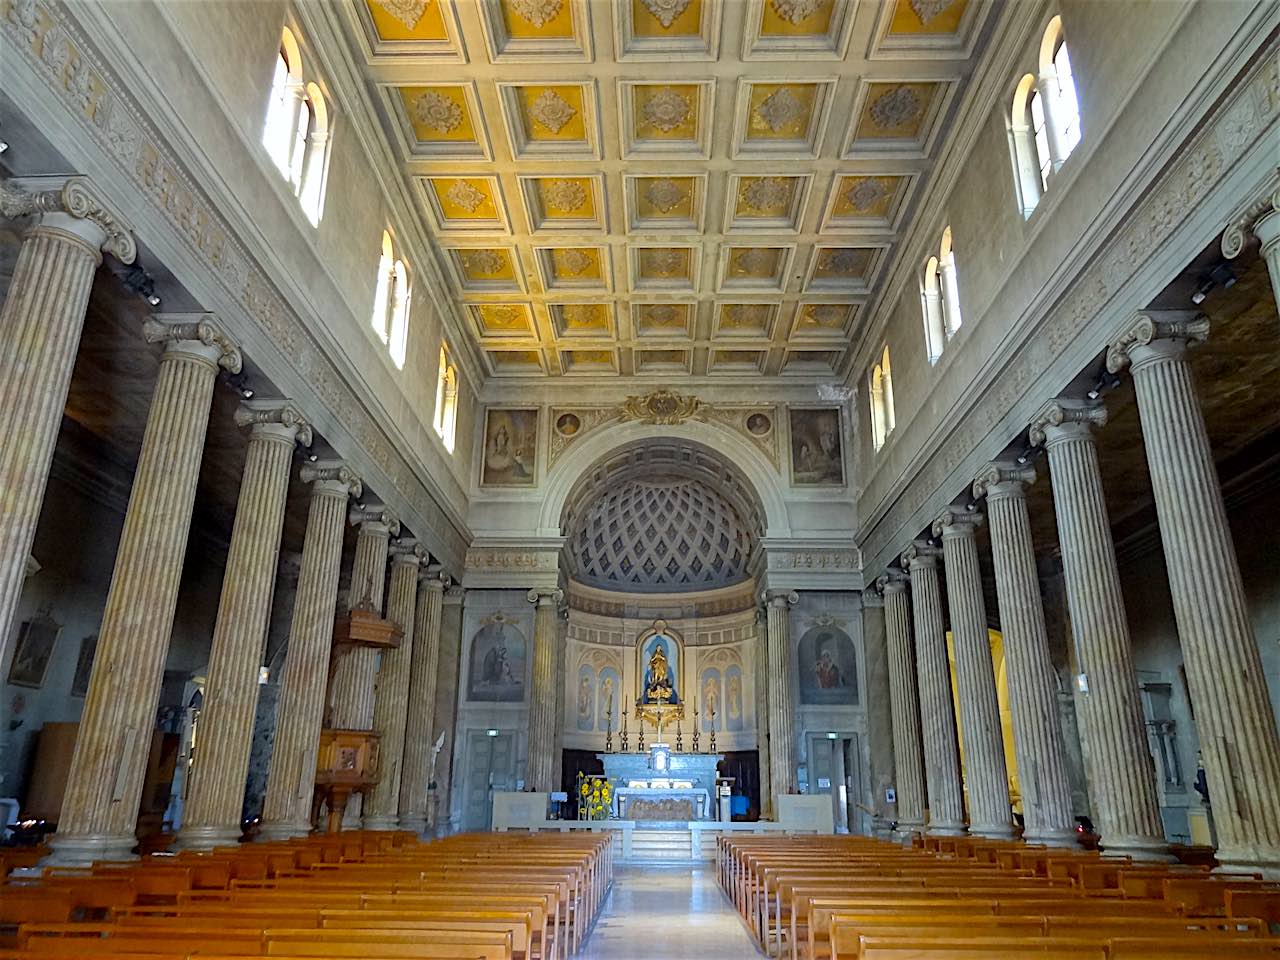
<point>935,337</point>
<point>949,285</point>
<point>1044,121</point>
<point>296,132</point>
<point>278,134</point>
<point>881,389</point>
<point>1058,86</point>
<point>446,417</point>
<point>390,318</point>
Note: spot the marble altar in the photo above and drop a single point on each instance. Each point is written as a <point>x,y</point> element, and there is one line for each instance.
<point>684,791</point>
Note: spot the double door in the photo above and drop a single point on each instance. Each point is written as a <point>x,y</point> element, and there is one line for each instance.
<point>490,766</point>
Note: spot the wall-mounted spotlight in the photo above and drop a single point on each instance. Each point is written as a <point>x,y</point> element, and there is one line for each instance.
<point>1220,276</point>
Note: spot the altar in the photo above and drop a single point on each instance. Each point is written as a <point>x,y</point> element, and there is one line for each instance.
<point>683,791</point>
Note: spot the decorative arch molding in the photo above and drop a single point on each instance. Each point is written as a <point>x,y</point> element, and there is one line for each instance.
<point>739,458</point>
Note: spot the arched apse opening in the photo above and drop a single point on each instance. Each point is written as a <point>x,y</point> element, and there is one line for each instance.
<point>747,478</point>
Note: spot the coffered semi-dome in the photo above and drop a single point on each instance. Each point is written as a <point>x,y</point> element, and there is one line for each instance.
<point>664,534</point>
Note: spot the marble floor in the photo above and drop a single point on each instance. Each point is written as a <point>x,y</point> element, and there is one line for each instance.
<point>667,913</point>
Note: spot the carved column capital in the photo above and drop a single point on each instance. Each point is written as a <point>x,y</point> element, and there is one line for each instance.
<point>408,551</point>
<point>1062,418</point>
<point>78,198</point>
<point>892,581</point>
<point>957,522</point>
<point>918,555</point>
<point>544,597</point>
<point>872,597</point>
<point>333,472</point>
<point>199,334</point>
<point>779,598</point>
<point>1251,220</point>
<point>275,417</point>
<point>1003,479</point>
<point>433,576</point>
<point>1181,327</point>
<point>374,514</point>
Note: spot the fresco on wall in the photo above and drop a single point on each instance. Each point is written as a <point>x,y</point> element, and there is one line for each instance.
<point>586,696</point>
<point>711,700</point>
<point>660,669</point>
<point>496,671</point>
<point>510,448</point>
<point>828,668</point>
<point>609,700</point>
<point>733,698</point>
<point>817,457</point>
<point>33,651</point>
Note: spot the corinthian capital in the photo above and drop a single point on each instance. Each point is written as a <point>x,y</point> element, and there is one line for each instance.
<point>1185,326</point>
<point>408,550</point>
<point>955,522</point>
<point>201,328</point>
<point>76,197</point>
<point>1064,412</point>
<point>332,471</point>
<point>918,555</point>
<point>280,413</point>
<point>374,513</point>
<point>1000,477</point>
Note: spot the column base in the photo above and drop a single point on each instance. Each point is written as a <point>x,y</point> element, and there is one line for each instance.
<point>206,837</point>
<point>81,850</point>
<point>1263,860</point>
<point>414,824</point>
<point>946,829</point>
<point>993,831</point>
<point>381,823</point>
<point>1142,849</point>
<point>1053,838</point>
<point>283,831</point>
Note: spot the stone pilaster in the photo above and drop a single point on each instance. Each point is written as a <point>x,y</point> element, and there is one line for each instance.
<point>1033,699</point>
<point>542,700</point>
<point>762,715</point>
<point>420,750</point>
<point>879,713</point>
<point>1234,719</point>
<point>391,692</point>
<point>215,795</point>
<point>937,709</point>
<point>908,756</point>
<point>42,317</point>
<point>286,811</point>
<point>1120,769</point>
<point>446,713</point>
<point>104,787</point>
<point>356,668</point>
<point>782,717</point>
<point>986,774</point>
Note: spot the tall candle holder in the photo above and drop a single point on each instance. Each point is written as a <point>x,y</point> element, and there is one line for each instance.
<point>679,738</point>
<point>622,737</point>
<point>712,715</point>
<point>640,738</point>
<point>695,726</point>
<point>608,729</point>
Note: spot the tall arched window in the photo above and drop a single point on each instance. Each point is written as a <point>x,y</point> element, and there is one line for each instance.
<point>446,417</point>
<point>935,337</point>
<point>296,132</point>
<point>287,93</point>
<point>881,390</point>
<point>1044,120</point>
<point>949,284</point>
<point>1058,87</point>
<point>391,297</point>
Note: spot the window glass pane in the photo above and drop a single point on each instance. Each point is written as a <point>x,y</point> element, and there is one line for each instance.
<point>1067,112</point>
<point>298,154</point>
<point>1041,134</point>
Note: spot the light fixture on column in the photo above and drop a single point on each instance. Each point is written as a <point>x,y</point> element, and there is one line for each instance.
<point>1220,276</point>
<point>141,283</point>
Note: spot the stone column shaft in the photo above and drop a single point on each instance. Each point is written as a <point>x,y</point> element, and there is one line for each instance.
<point>908,756</point>
<point>542,702</point>
<point>40,326</point>
<point>782,720</point>
<point>762,716</point>
<point>937,709</point>
<point>1119,765</point>
<point>355,669</point>
<point>448,662</point>
<point>1033,699</point>
<point>1234,719</point>
<point>392,689</point>
<point>286,811</point>
<point>420,734</point>
<point>879,712</point>
<point>215,797</point>
<point>986,774</point>
<point>104,786</point>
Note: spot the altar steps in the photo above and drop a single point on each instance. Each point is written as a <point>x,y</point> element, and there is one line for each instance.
<point>660,846</point>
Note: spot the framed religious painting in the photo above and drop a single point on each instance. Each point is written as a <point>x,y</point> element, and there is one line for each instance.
<point>817,447</point>
<point>510,454</point>
<point>34,650</point>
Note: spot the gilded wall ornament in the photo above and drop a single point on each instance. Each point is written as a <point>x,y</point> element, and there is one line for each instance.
<point>926,10</point>
<point>464,195</point>
<point>571,261</point>
<point>665,263</point>
<point>408,12</point>
<point>584,316</point>
<point>865,194</point>
<point>796,11</point>
<point>665,194</point>
<point>896,108</point>
<point>666,11</point>
<point>438,112</point>
<point>564,195</point>
<point>537,12</point>
<point>754,261</point>
<point>663,407</point>
<point>552,111</point>
<point>661,315</point>
<point>780,109</point>
<point>666,110</point>
<point>766,193</point>
<point>483,261</point>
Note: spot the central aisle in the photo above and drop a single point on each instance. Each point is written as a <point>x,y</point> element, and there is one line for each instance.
<point>668,913</point>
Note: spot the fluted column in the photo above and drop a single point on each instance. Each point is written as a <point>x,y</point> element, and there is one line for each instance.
<point>1119,765</point>
<point>542,701</point>
<point>908,757</point>
<point>286,810</point>
<point>40,326</point>
<point>356,668</point>
<point>391,692</point>
<point>762,714</point>
<point>1263,221</point>
<point>215,796</point>
<point>104,786</point>
<point>782,719</point>
<point>937,709</point>
<point>879,712</point>
<point>1234,719</point>
<point>986,773</point>
<point>448,663</point>
<point>1033,699</point>
<point>420,749</point>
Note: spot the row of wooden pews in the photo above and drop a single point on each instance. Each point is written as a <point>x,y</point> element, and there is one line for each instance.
<point>372,895</point>
<point>813,898</point>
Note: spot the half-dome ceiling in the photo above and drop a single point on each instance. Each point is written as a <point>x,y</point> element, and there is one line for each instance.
<point>664,535</point>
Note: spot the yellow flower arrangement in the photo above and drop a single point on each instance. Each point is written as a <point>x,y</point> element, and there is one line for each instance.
<point>596,796</point>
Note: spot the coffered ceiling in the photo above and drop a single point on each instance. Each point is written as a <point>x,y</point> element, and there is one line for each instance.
<point>666,188</point>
